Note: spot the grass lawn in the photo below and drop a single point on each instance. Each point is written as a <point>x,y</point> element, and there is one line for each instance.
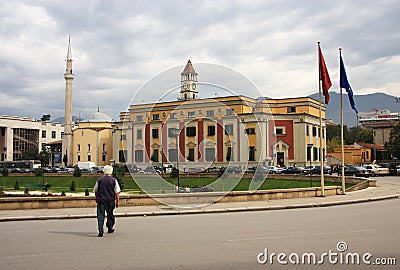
<point>153,184</point>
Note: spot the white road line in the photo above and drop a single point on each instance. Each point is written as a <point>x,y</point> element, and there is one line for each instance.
<point>295,235</point>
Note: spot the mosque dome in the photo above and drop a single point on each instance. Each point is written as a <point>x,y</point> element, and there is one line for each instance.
<point>98,117</point>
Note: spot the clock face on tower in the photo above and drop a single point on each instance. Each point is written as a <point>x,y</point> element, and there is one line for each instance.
<point>194,86</point>
<point>185,86</point>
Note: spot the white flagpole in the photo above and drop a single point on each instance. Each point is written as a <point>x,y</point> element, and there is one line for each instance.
<point>321,157</point>
<point>341,129</point>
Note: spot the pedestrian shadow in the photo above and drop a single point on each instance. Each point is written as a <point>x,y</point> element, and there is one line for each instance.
<point>87,234</point>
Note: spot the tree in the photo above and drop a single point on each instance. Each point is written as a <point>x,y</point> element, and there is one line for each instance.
<point>30,154</point>
<point>365,135</point>
<point>392,146</point>
<point>119,171</point>
<point>174,172</point>
<point>333,143</point>
<point>45,117</point>
<point>77,171</point>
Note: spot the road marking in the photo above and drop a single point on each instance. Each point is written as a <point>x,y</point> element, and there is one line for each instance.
<point>295,235</point>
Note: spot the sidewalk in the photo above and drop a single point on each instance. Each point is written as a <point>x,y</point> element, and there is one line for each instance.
<point>384,190</point>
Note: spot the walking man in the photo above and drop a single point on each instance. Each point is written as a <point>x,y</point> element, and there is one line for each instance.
<point>107,197</point>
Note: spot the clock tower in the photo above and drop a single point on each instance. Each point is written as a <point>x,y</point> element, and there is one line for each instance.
<point>189,83</point>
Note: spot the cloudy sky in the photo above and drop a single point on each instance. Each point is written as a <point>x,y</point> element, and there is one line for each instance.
<point>120,47</point>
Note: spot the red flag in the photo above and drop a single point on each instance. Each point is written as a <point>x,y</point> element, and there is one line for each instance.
<point>324,76</point>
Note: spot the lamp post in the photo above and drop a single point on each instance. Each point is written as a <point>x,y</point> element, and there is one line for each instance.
<point>309,147</point>
<point>176,132</point>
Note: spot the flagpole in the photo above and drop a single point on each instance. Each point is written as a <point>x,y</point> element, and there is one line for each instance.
<point>321,158</point>
<point>341,130</point>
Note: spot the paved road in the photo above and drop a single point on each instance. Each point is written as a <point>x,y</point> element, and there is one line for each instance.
<point>208,241</point>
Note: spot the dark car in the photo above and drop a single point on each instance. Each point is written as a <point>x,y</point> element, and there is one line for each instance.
<point>358,171</point>
<point>317,170</point>
<point>260,167</point>
<point>151,169</point>
<point>294,170</point>
<point>233,170</point>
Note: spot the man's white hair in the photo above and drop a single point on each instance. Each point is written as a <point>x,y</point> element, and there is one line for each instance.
<point>108,170</point>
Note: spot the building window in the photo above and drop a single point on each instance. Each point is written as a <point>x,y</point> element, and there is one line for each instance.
<point>79,157</point>
<point>53,134</point>
<point>291,109</point>
<point>103,157</point>
<point>172,115</point>
<point>121,156</point>
<point>139,134</point>
<point>138,155</point>
<point>315,154</point>
<point>250,131</point>
<point>139,118</point>
<point>230,111</point>
<point>171,132</point>
<point>154,156</point>
<point>190,156</point>
<point>43,133</point>
<point>89,157</point>
<point>123,137</point>
<point>279,131</point>
<point>104,147</point>
<point>229,156</point>
<point>210,130</point>
<point>307,130</point>
<point>228,129</point>
<point>314,131</point>
<point>155,133</point>
<point>210,113</point>
<point>156,116</point>
<point>79,147</point>
<point>252,153</point>
<point>191,131</point>
<point>88,147</point>
<point>191,114</point>
<point>210,154</point>
<point>172,155</point>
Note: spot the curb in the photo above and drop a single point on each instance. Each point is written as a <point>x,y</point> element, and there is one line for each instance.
<point>206,211</point>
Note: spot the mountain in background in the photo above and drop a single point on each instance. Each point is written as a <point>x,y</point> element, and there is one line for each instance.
<point>364,103</point>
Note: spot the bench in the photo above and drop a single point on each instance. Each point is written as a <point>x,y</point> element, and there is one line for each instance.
<point>45,187</point>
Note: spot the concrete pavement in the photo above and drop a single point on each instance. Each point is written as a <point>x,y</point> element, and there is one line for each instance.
<point>387,188</point>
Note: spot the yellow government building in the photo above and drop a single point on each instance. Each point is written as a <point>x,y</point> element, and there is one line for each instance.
<point>235,130</point>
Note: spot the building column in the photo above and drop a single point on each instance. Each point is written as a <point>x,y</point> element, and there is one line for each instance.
<point>200,138</point>
<point>220,141</point>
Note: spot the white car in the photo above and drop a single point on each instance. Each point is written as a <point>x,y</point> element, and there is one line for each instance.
<point>377,170</point>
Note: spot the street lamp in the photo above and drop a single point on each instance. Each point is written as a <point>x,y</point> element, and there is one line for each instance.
<point>175,133</point>
<point>309,147</point>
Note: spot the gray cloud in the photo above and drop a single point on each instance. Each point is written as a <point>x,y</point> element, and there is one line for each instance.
<point>117,46</point>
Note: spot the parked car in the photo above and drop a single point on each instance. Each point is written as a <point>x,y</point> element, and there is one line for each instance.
<point>151,169</point>
<point>214,169</point>
<point>274,169</point>
<point>197,170</point>
<point>376,170</point>
<point>259,167</point>
<point>317,170</point>
<point>294,170</point>
<point>350,170</point>
<point>233,170</point>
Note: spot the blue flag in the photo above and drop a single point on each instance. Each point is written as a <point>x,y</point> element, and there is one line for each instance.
<point>344,83</point>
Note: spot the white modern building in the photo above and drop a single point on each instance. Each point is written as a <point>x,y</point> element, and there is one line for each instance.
<point>18,134</point>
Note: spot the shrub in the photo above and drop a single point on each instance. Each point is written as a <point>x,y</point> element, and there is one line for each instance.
<point>174,172</point>
<point>87,192</point>
<point>4,171</point>
<point>26,191</point>
<point>16,186</point>
<point>39,172</point>
<point>118,173</point>
<point>63,193</point>
<point>72,187</point>
<point>77,171</point>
